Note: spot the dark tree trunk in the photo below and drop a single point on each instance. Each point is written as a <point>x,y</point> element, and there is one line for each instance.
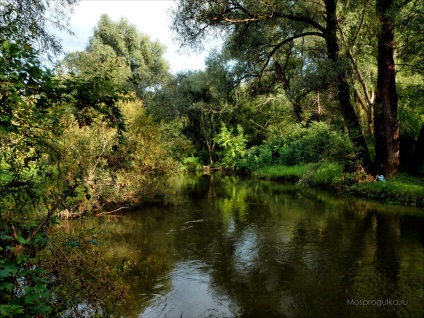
<point>346,105</point>
<point>386,124</point>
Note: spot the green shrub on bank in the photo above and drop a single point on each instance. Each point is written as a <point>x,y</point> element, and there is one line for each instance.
<point>319,142</point>
<point>316,143</point>
<point>192,163</point>
<point>324,175</point>
<point>276,173</point>
<point>401,189</point>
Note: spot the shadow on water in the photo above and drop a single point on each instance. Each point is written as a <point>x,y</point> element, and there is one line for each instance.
<point>247,248</point>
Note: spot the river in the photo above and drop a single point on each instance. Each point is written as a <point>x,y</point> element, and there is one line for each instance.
<point>249,248</point>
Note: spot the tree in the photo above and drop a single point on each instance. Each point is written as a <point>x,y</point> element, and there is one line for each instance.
<point>287,22</point>
<point>385,111</point>
<point>233,146</point>
<point>203,98</point>
<point>409,20</point>
<point>139,57</point>
<point>32,104</point>
<point>30,21</point>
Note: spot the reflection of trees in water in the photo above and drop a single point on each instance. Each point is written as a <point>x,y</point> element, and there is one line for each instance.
<point>303,257</point>
<point>276,250</point>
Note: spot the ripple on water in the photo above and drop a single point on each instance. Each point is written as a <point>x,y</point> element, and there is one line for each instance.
<point>192,295</point>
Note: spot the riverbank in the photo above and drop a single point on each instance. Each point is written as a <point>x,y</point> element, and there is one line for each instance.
<point>402,189</point>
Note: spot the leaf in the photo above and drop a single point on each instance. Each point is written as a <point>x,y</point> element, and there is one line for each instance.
<point>93,242</point>
<point>72,243</point>
<point>10,310</point>
<point>40,280</point>
<point>6,286</point>
<point>6,44</point>
<point>4,236</point>
<point>21,240</point>
<point>8,271</point>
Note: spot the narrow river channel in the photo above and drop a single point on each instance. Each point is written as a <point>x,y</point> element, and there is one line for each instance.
<point>248,248</point>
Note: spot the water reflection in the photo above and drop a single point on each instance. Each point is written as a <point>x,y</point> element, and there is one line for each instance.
<point>193,295</point>
<point>242,248</point>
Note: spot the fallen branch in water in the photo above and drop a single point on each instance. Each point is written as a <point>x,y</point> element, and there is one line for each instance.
<point>110,212</point>
<point>51,211</point>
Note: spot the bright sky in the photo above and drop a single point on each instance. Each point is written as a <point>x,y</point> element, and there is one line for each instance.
<point>150,17</point>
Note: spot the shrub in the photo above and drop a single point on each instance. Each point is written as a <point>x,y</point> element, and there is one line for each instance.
<point>328,175</point>
<point>192,163</point>
<point>285,173</point>
<point>316,143</point>
<point>233,146</point>
<point>300,146</point>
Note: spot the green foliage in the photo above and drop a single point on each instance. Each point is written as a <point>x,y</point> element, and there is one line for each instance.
<point>313,144</point>
<point>411,99</point>
<point>24,290</point>
<point>202,100</point>
<point>322,175</point>
<point>327,175</point>
<point>300,145</point>
<point>129,56</point>
<point>233,147</point>
<point>35,113</point>
<point>282,173</point>
<point>30,21</point>
<point>402,189</point>
<point>192,163</point>
<point>410,18</point>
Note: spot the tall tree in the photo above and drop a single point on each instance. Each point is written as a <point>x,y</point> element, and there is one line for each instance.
<point>203,98</point>
<point>288,21</point>
<point>386,105</point>
<point>134,59</point>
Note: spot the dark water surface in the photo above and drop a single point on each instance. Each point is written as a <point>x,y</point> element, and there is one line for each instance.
<point>247,248</point>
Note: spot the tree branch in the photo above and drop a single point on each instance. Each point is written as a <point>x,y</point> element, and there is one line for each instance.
<point>285,41</point>
<point>110,212</point>
<point>51,211</point>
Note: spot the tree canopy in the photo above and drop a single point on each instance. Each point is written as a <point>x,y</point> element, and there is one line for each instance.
<point>138,59</point>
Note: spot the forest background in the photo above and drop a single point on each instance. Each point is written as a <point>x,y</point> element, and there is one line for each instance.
<point>329,93</point>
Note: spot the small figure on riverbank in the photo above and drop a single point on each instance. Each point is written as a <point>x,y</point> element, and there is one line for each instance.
<point>381,178</point>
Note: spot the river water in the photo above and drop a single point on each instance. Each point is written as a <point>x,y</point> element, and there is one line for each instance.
<point>248,248</point>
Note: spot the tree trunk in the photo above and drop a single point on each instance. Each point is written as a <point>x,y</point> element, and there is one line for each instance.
<point>210,151</point>
<point>386,125</point>
<point>346,105</point>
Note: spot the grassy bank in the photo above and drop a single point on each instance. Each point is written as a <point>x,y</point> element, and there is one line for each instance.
<point>402,189</point>
<point>282,173</point>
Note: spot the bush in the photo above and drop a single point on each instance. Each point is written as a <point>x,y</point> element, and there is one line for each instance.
<point>276,173</point>
<point>300,146</point>
<point>233,146</point>
<point>324,175</point>
<point>316,143</point>
<point>192,163</point>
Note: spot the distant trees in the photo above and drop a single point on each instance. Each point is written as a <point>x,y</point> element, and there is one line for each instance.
<point>203,99</point>
<point>291,42</point>
<point>119,49</point>
<point>276,26</point>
